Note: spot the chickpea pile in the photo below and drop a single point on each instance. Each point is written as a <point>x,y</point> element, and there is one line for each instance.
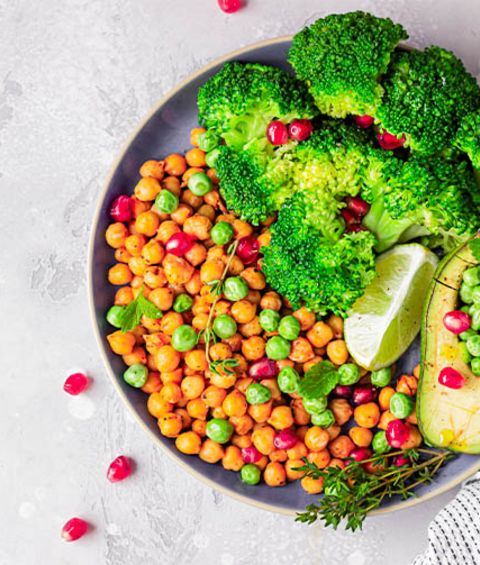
<point>218,415</point>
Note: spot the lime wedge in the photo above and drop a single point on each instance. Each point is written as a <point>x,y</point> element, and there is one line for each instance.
<point>385,320</point>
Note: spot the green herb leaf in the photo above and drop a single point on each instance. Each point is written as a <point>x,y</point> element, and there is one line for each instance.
<point>319,381</point>
<point>475,248</point>
<point>137,308</point>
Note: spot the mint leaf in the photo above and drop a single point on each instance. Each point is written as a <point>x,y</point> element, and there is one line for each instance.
<point>319,381</point>
<point>137,308</point>
<point>475,248</point>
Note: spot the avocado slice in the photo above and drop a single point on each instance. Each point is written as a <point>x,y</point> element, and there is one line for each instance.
<point>447,418</point>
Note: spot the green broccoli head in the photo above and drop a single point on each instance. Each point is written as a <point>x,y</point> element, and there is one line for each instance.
<point>309,270</point>
<point>434,198</point>
<point>468,137</point>
<point>342,58</point>
<point>241,99</point>
<point>427,93</point>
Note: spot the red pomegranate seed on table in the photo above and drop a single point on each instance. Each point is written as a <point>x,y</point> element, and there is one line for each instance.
<point>360,454</point>
<point>229,6</point>
<point>251,454</point>
<point>364,121</point>
<point>285,439</point>
<point>277,133</point>
<point>74,529</point>
<point>451,378</point>
<point>457,321</point>
<point>121,209</point>
<point>76,383</point>
<point>248,249</point>
<point>300,130</point>
<point>397,433</point>
<point>357,206</point>
<point>389,142</point>
<point>179,244</point>
<point>263,369</point>
<point>120,468</point>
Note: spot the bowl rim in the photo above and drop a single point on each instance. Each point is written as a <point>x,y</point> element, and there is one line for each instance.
<point>400,505</point>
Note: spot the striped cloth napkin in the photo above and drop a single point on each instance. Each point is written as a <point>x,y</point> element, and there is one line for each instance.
<point>454,534</point>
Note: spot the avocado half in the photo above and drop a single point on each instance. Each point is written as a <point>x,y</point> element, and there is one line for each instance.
<point>447,418</point>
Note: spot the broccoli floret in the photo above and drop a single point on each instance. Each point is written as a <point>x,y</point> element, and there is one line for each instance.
<point>427,93</point>
<point>434,198</point>
<point>342,58</point>
<point>309,270</point>
<point>468,137</point>
<point>243,98</point>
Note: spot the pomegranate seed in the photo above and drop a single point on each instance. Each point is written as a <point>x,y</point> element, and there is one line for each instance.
<point>400,461</point>
<point>285,439</point>
<point>74,529</point>
<point>251,454</point>
<point>357,206</point>
<point>363,394</point>
<point>121,209</point>
<point>343,391</point>
<point>263,369</point>
<point>119,469</point>
<point>349,217</point>
<point>451,378</point>
<point>397,433</point>
<point>364,121</point>
<point>300,130</point>
<point>277,133</point>
<point>389,142</point>
<point>229,6</point>
<point>356,228</point>
<point>179,244</point>
<point>360,454</point>
<point>456,321</point>
<point>248,249</point>
<point>76,383</point>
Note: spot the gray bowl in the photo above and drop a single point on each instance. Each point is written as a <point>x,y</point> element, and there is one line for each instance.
<point>165,130</point>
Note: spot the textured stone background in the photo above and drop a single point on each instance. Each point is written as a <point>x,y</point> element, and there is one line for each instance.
<point>75,78</point>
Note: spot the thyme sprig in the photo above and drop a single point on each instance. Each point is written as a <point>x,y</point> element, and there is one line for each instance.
<point>351,493</point>
<point>225,365</point>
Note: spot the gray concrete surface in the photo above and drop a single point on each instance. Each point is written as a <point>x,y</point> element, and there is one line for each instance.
<point>75,78</point>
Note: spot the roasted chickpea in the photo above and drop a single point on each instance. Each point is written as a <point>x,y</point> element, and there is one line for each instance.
<point>138,355</point>
<point>252,328</point>
<point>226,380</point>
<point>167,359</point>
<point>290,469</point>
<point>196,255</point>
<point>121,343</point>
<point>175,165</point>
<point>316,438</point>
<point>300,415</point>
<point>232,460</point>
<point>384,397</point>
<point>198,226</point>
<point>213,396</point>
<point>243,311</point>
<point>281,417</point>
<point>242,424</point>
<point>194,284</point>
<point>241,228</point>
<point>337,352</point>
<point>192,386</point>
<point>298,451</point>
<point>362,437</point>
<point>311,485</point>
<point>162,298</point>
<point>170,322</point>
<point>235,404</point>
<point>158,406</point>
<point>137,265</point>
<point>194,133</point>
<point>200,427</point>
<point>320,458</point>
<point>305,317</point>
<point>385,419</point>
<point>271,301</point>
<point>260,412</point>
<point>241,441</point>
<point>197,409</point>
<point>211,270</point>
<point>196,360</point>
<point>320,334</point>
<point>153,169</point>
<point>147,189</point>
<point>123,296</point>
<point>166,230</point>
<point>407,384</point>
<point>177,270</point>
<point>220,351</point>
<point>119,274</point>
<point>116,235</point>
<point>154,277</point>
<point>367,415</point>
<point>147,223</point>
<point>211,451</point>
<point>254,278</point>
<point>153,383</point>
<point>274,474</point>
<point>170,424</point>
<point>301,350</point>
<point>212,198</point>
<point>207,211</point>
<point>153,252</point>
<point>341,447</point>
<point>181,214</point>
<point>264,239</point>
<point>122,255</point>
<point>191,199</point>
<point>262,439</point>
<point>253,348</point>
<point>188,443</point>
<point>333,431</point>
<point>195,157</point>
<point>341,410</point>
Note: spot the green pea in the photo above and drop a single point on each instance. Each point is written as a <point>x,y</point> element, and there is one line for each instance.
<point>382,377</point>
<point>166,202</point>
<point>289,328</point>
<point>288,380</point>
<point>473,345</point>
<point>467,334</point>
<point>184,338</point>
<point>466,293</point>
<point>380,443</point>
<point>465,309</point>
<point>136,375</point>
<point>476,294</point>
<point>269,320</point>
<point>224,326</point>
<point>115,316</point>
<point>315,405</point>
<point>200,184</point>
<point>211,158</point>
<point>463,352</point>
<point>235,288</point>
<point>250,474</point>
<point>208,140</point>
<point>277,348</point>
<point>258,394</point>
<point>325,419</point>
<point>475,364</point>
<point>221,233</point>
<point>401,405</point>
<point>183,302</point>
<point>475,320</point>
<point>219,430</point>
<point>471,277</point>
<point>348,374</point>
